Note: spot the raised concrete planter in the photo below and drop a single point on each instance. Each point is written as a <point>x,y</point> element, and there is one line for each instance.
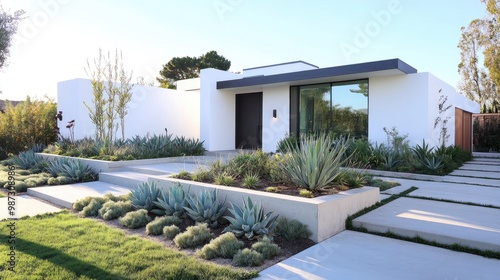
<point>325,216</point>
<point>109,166</point>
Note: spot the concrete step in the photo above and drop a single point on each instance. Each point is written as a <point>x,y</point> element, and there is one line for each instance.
<point>355,255</point>
<point>166,168</point>
<point>128,179</point>
<point>471,180</point>
<point>491,161</point>
<point>480,167</point>
<point>486,155</point>
<point>66,195</point>
<point>26,205</point>
<point>476,174</point>
<point>446,223</point>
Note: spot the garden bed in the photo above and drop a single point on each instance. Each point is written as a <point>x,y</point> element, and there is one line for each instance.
<point>325,216</point>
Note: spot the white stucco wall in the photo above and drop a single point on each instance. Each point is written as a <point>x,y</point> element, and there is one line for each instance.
<point>151,110</point>
<point>274,129</point>
<point>411,104</point>
<point>217,111</point>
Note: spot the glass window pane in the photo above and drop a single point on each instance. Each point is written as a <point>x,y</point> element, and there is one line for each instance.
<point>350,108</point>
<point>315,109</point>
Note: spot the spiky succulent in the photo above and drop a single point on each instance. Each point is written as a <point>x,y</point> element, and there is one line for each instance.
<point>144,196</point>
<point>250,220</point>
<point>205,208</point>
<point>171,202</point>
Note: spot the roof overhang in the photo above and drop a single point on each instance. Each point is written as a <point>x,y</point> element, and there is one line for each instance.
<point>331,74</point>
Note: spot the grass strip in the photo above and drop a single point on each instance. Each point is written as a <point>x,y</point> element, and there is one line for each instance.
<point>64,246</point>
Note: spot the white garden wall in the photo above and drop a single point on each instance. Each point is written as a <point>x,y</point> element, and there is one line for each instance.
<point>151,110</point>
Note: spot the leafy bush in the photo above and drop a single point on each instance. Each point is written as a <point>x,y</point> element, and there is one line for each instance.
<point>292,229</point>
<point>92,209</point>
<point>316,163</point>
<point>156,226</point>
<point>205,208</point>
<point>28,123</point>
<point>248,163</point>
<point>194,236</point>
<point>224,246</point>
<point>114,209</point>
<point>361,154</point>
<point>170,232</point>
<point>267,248</point>
<point>248,257</point>
<point>250,221</point>
<point>289,141</point>
<point>60,180</point>
<point>171,202</point>
<point>145,196</point>
<point>135,219</point>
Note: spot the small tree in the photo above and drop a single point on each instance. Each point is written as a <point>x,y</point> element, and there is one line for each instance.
<point>124,95</point>
<point>96,113</point>
<point>8,27</point>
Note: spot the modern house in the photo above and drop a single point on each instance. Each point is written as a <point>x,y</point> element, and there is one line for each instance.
<point>260,106</point>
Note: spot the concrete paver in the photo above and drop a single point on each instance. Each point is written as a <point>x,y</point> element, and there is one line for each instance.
<point>446,223</point>
<point>355,255</point>
<point>480,167</point>
<point>26,205</point>
<point>449,191</point>
<point>167,168</point>
<point>66,195</point>
<point>476,174</point>
<point>471,180</point>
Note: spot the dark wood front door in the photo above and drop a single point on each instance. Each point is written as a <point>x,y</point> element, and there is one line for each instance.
<point>249,121</point>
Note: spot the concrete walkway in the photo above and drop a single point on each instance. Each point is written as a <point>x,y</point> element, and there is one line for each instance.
<point>26,205</point>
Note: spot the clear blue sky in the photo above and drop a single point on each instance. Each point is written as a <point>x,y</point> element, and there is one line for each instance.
<point>58,36</point>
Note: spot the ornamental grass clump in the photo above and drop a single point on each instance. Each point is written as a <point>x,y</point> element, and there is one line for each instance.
<point>135,219</point>
<point>194,236</point>
<point>317,161</point>
<point>224,246</point>
<point>292,229</point>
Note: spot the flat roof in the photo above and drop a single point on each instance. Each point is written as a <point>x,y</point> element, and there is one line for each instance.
<point>347,72</point>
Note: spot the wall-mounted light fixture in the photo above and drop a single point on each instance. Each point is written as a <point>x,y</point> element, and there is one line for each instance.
<point>274,113</point>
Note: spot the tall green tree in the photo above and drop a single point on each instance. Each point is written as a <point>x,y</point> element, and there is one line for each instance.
<point>479,45</point>
<point>187,67</point>
<point>8,27</point>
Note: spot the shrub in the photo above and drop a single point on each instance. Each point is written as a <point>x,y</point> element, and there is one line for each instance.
<point>114,209</point>
<point>248,257</point>
<point>316,163</point>
<point>353,179</point>
<point>171,202</point>
<point>28,123</point>
<point>272,189</point>
<point>170,232</point>
<point>250,221</point>
<point>60,180</point>
<point>361,154</point>
<point>194,236</point>
<point>92,209</point>
<point>267,248</point>
<point>201,175</point>
<point>205,208</point>
<point>82,203</point>
<point>224,246</point>
<point>156,226</point>
<point>381,184</point>
<point>248,163</point>
<point>292,229</point>
<point>145,196</point>
<point>290,141</point>
<point>183,174</point>
<point>135,219</point>
<point>306,193</point>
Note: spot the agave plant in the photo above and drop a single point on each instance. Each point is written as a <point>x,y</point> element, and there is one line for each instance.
<point>171,202</point>
<point>433,163</point>
<point>145,196</point>
<point>28,160</point>
<point>78,171</point>
<point>250,220</point>
<point>205,208</point>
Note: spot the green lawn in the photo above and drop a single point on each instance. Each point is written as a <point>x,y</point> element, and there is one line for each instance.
<point>64,246</point>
